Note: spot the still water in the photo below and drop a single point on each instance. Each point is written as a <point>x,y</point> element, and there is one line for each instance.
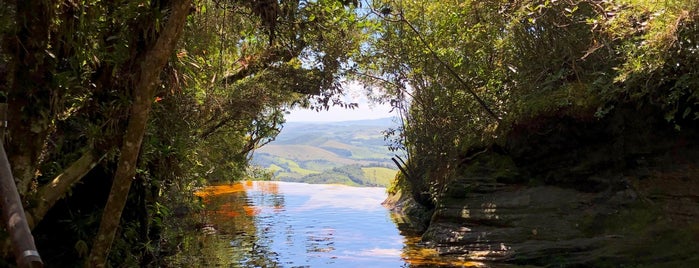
<point>281,224</point>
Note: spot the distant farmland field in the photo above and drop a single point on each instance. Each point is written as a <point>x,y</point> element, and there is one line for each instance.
<point>352,153</point>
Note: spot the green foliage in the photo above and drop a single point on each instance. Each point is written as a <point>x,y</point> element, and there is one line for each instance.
<point>222,95</point>
<point>227,89</point>
<point>524,59</point>
<point>241,84</point>
<point>661,59</point>
<point>447,66</point>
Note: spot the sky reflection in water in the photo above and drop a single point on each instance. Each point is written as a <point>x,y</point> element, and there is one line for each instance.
<point>280,224</point>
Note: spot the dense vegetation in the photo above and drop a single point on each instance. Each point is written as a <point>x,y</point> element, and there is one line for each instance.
<point>469,74</point>
<point>136,103</point>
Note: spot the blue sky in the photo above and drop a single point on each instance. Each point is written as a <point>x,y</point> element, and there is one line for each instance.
<point>335,114</point>
<point>339,114</point>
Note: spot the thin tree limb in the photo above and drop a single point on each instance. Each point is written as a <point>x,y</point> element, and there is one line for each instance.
<point>451,71</point>
<point>400,87</point>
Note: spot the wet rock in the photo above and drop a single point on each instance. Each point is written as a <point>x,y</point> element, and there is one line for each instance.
<point>618,191</point>
<point>407,214</point>
<point>545,224</point>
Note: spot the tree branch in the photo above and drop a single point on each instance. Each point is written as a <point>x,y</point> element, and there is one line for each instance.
<point>50,193</point>
<point>274,54</point>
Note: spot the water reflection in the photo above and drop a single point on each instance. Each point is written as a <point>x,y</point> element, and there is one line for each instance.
<point>279,224</point>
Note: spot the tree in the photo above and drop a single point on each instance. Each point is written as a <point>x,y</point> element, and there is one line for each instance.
<point>145,82</point>
<point>218,93</point>
<point>443,62</point>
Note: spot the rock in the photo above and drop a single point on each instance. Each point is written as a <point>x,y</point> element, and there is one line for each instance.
<point>545,224</point>
<point>585,194</point>
<point>408,214</point>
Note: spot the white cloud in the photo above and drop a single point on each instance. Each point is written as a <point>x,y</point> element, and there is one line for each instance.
<point>355,93</point>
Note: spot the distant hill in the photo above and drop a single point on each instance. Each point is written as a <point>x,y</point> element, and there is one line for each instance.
<point>350,152</point>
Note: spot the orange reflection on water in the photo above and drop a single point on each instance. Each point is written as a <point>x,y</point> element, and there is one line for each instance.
<point>251,210</point>
<point>222,189</point>
<point>227,209</point>
<point>264,186</point>
<point>227,213</point>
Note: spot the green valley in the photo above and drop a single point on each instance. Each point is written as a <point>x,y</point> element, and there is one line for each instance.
<point>349,152</point>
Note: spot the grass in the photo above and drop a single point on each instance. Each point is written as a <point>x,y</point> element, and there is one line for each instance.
<point>311,152</point>
<point>379,175</point>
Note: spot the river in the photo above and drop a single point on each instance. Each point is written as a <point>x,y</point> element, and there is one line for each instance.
<point>282,224</point>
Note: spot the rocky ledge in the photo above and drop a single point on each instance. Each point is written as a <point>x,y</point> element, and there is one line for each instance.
<point>573,196</point>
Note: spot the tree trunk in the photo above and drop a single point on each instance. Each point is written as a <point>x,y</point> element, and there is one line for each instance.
<point>30,94</point>
<point>146,81</point>
<point>13,215</point>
